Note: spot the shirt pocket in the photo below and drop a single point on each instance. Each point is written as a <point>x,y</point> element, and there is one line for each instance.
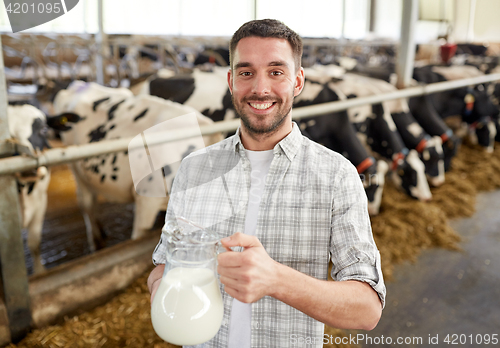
<point>300,238</point>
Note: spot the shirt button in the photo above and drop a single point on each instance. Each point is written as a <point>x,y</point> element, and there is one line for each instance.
<point>242,203</point>
<point>255,324</point>
<point>224,322</point>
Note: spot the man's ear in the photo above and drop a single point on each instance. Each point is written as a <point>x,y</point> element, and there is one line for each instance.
<point>299,82</point>
<point>230,80</point>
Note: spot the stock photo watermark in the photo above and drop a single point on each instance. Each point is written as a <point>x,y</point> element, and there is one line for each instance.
<point>27,14</point>
<point>429,340</point>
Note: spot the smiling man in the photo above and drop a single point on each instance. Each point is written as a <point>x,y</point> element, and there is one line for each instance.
<point>263,87</point>
<point>303,206</point>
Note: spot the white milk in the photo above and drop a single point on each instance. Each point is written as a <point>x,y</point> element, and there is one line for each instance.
<point>187,308</point>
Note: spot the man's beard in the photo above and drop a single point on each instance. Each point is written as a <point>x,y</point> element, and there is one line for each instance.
<point>277,119</point>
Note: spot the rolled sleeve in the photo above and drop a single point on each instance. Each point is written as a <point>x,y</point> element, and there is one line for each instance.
<point>353,251</point>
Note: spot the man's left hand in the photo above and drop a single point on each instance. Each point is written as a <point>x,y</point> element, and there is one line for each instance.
<point>248,275</point>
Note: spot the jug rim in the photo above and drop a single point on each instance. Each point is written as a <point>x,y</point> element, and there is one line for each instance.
<point>176,234</point>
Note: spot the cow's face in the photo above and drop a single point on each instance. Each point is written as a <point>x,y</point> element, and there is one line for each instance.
<point>433,158</point>
<point>373,181</point>
<point>450,148</point>
<point>484,105</point>
<point>477,103</point>
<point>28,126</point>
<point>410,177</point>
<point>485,133</point>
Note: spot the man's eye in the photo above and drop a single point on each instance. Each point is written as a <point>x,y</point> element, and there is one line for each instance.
<point>276,73</point>
<point>245,73</point>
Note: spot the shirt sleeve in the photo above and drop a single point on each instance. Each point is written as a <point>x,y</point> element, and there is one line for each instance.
<point>353,251</point>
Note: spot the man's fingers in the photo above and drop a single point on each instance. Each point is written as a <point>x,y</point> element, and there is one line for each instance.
<point>240,239</point>
<point>230,259</point>
<point>154,288</point>
<point>228,281</point>
<point>232,292</point>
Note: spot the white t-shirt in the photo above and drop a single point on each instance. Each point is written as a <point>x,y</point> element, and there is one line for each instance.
<point>241,313</point>
<point>240,330</point>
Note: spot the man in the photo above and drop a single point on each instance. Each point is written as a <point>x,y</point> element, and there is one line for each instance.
<point>302,206</point>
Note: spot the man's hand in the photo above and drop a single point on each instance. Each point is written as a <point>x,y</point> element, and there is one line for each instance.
<point>251,274</point>
<point>154,280</point>
<point>248,275</point>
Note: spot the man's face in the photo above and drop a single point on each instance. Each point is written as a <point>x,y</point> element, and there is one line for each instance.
<point>263,82</point>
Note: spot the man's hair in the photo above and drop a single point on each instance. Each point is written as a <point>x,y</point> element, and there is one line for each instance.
<point>268,28</point>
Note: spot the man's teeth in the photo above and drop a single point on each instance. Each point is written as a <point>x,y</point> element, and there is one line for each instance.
<point>261,106</point>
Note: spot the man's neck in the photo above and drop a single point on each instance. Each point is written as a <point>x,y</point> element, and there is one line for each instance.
<point>267,141</point>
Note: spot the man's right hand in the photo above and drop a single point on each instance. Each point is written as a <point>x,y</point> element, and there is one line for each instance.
<point>154,280</point>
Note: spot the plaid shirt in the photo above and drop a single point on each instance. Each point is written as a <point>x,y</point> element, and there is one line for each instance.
<point>313,211</point>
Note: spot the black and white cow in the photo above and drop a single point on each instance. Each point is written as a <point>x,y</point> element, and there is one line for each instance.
<point>376,129</point>
<point>473,104</point>
<point>429,148</point>
<point>373,129</point>
<point>336,132</point>
<point>88,112</point>
<point>28,128</point>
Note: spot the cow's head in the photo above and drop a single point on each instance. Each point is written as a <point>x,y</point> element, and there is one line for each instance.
<point>64,121</point>
<point>28,128</point>
<point>483,132</point>
<point>477,103</point>
<point>409,175</point>
<point>431,154</point>
<point>451,143</point>
<point>373,179</point>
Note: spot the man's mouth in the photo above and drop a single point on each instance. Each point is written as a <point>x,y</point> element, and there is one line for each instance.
<point>261,106</point>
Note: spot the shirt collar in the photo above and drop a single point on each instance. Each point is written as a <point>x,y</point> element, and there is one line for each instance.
<point>289,145</point>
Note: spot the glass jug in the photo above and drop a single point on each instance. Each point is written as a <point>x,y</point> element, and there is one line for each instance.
<point>187,308</point>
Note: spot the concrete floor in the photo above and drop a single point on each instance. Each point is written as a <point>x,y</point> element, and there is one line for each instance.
<point>447,292</point>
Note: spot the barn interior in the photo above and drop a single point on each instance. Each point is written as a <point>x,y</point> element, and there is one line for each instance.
<point>440,256</point>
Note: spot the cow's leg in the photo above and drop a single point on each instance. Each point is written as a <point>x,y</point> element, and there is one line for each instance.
<point>87,201</point>
<point>35,204</point>
<point>146,210</point>
<point>35,238</point>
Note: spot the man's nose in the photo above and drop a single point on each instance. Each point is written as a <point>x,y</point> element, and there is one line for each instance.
<point>261,85</point>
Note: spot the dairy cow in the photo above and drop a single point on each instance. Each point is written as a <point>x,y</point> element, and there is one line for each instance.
<point>473,104</point>
<point>28,129</point>
<point>375,128</point>
<point>88,113</point>
<point>336,132</point>
<point>414,136</point>
<point>494,93</point>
